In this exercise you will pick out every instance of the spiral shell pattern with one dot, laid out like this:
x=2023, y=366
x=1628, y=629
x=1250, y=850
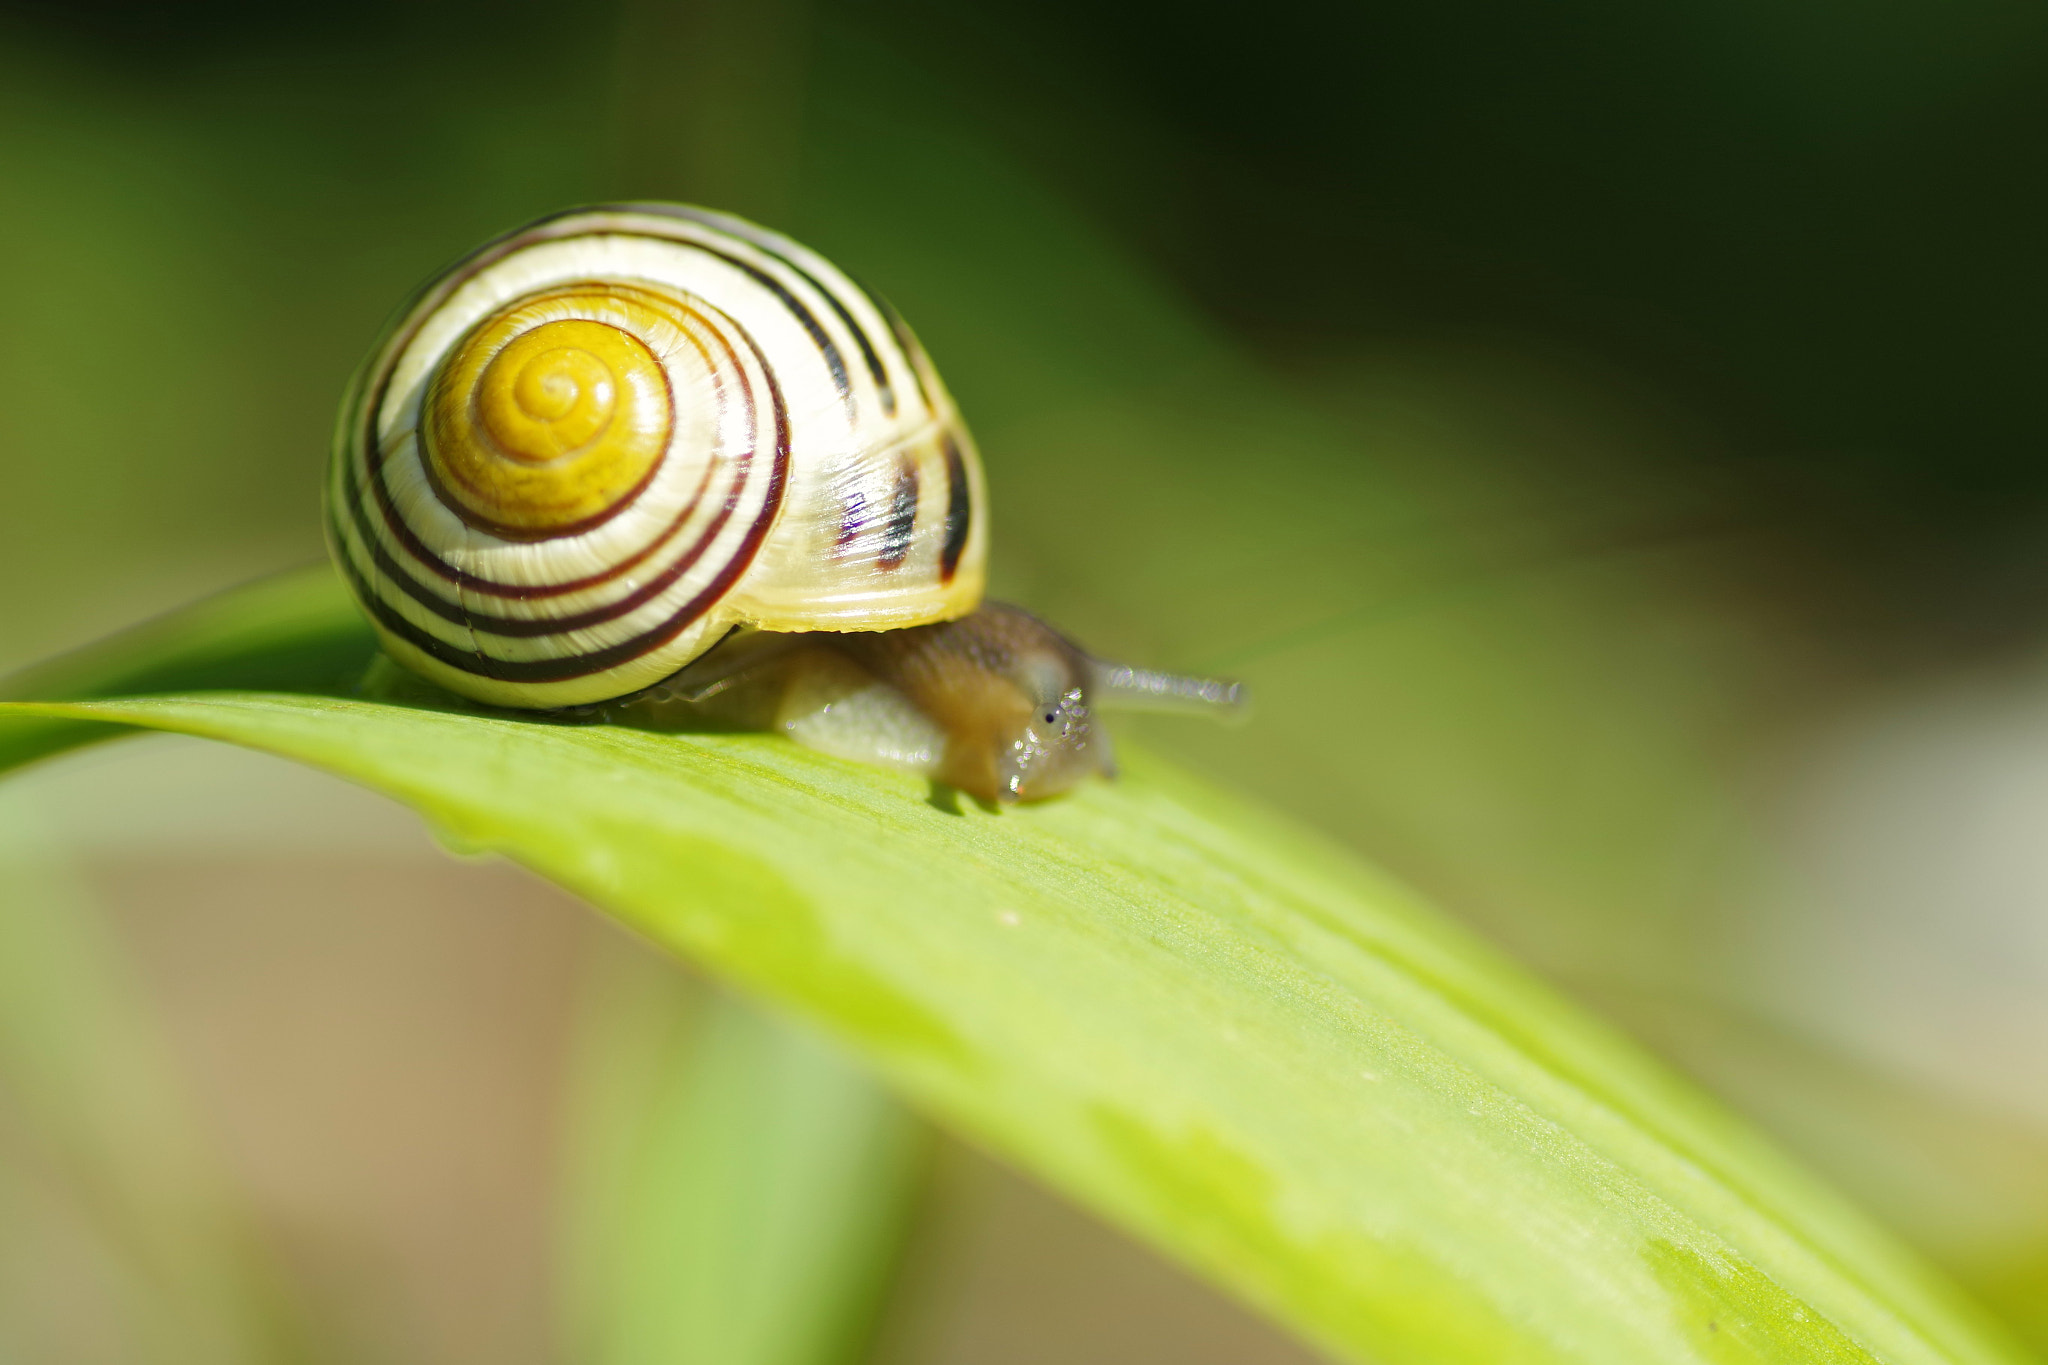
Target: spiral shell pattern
x=595, y=446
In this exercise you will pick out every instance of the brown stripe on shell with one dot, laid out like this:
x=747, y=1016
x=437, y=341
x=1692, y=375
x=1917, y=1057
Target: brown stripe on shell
x=913, y=353
x=463, y=579
x=516, y=627
x=572, y=223
x=402, y=532
x=959, y=509
x=877, y=372
x=820, y=338
x=574, y=666
x=853, y=518
x=902, y=523
x=522, y=628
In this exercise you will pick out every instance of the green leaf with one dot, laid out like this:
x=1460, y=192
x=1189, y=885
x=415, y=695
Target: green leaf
x=101, y=1156
x=740, y=1189
x=293, y=632
x=1207, y=1025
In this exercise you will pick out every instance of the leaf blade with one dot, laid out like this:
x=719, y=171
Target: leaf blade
x=295, y=630
x=1198, y=1020
x=742, y=1189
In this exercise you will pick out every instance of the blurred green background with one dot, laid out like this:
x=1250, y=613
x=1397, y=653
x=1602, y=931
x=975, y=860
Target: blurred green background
x=1605, y=437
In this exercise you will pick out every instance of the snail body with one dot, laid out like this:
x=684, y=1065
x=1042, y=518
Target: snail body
x=650, y=455
x=996, y=703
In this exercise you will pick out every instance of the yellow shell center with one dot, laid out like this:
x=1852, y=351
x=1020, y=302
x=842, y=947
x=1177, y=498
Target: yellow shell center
x=538, y=425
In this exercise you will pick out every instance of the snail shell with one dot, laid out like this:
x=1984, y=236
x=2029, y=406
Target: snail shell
x=592, y=448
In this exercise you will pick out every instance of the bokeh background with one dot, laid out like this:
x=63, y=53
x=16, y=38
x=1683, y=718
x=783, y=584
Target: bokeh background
x=1607, y=437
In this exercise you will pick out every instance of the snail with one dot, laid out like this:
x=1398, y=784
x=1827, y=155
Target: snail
x=660, y=462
